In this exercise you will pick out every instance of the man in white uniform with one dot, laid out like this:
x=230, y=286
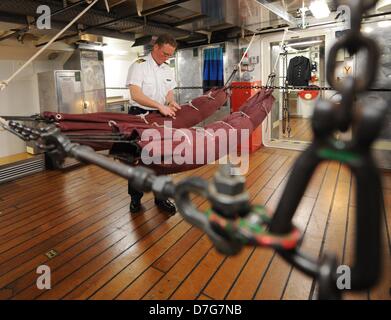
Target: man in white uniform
x=151, y=82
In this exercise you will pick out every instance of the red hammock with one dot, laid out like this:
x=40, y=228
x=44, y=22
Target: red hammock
x=172, y=151
x=190, y=115
x=249, y=117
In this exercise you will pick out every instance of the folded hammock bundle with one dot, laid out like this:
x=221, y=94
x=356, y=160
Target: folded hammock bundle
x=100, y=124
x=192, y=113
x=167, y=149
x=166, y=144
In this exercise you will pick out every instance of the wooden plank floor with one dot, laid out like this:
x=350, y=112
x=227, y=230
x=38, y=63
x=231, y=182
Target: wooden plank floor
x=106, y=253
x=300, y=130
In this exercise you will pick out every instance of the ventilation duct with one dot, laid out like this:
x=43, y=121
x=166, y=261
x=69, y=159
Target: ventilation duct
x=21, y=169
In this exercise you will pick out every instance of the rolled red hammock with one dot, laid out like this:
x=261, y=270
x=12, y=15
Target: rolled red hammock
x=168, y=159
x=192, y=113
x=174, y=145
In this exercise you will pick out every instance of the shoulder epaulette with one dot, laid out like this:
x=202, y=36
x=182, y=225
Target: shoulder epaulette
x=141, y=60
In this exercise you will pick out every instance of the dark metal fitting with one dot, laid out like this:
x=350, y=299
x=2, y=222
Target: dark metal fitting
x=227, y=194
x=160, y=186
x=323, y=121
x=142, y=179
x=229, y=206
x=228, y=184
x=328, y=279
x=370, y=121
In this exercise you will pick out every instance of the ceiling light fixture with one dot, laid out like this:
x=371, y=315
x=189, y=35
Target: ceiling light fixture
x=319, y=9
x=295, y=44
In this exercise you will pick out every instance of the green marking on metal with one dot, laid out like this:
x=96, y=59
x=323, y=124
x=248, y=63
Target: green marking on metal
x=208, y=212
x=338, y=155
x=259, y=209
x=256, y=228
x=242, y=223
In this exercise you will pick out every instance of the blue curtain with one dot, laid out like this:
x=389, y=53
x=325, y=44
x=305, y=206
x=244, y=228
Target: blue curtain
x=213, y=68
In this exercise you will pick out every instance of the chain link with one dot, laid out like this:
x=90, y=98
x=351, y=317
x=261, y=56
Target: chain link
x=330, y=117
x=261, y=87
x=354, y=42
x=310, y=88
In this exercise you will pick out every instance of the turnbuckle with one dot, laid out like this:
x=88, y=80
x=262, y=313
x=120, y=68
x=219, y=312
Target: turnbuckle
x=231, y=223
x=253, y=230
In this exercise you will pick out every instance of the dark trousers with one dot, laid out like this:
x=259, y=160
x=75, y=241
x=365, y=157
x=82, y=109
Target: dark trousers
x=135, y=111
x=135, y=195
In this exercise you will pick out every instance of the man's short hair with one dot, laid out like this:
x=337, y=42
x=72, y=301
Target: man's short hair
x=166, y=39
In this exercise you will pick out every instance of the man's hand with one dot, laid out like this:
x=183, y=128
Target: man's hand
x=167, y=111
x=174, y=106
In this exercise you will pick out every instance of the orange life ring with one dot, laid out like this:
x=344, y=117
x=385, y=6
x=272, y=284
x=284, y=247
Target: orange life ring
x=309, y=94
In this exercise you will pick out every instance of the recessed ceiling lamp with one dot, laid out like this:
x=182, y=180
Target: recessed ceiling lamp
x=295, y=44
x=320, y=9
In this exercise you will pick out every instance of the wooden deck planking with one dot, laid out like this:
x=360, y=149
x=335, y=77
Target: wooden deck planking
x=149, y=207
x=383, y=290
x=203, y=207
x=106, y=253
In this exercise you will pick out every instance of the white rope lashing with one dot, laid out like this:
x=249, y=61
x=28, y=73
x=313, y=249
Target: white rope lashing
x=209, y=95
x=143, y=116
x=204, y=130
x=173, y=129
x=242, y=113
x=190, y=103
x=5, y=83
x=226, y=124
x=112, y=123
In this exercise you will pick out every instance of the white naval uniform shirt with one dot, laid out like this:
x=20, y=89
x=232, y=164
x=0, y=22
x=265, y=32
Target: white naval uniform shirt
x=155, y=81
